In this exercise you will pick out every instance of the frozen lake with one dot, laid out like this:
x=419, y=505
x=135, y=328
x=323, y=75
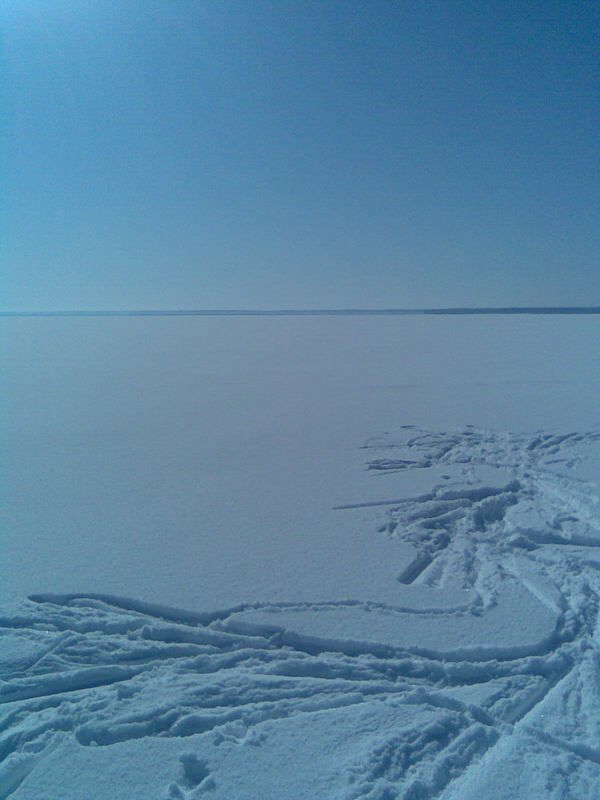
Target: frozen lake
x=375, y=537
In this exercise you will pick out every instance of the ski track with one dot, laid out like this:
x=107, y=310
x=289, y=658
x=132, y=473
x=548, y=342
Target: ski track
x=104, y=670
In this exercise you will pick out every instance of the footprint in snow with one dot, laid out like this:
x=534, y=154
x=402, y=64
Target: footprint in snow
x=195, y=781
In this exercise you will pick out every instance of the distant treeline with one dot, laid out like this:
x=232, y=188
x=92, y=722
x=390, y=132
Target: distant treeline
x=305, y=312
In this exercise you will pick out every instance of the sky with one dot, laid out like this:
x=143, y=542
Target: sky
x=299, y=154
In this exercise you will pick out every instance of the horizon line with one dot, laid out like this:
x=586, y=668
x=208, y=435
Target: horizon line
x=296, y=312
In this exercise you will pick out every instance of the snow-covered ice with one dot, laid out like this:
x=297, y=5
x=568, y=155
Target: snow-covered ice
x=300, y=558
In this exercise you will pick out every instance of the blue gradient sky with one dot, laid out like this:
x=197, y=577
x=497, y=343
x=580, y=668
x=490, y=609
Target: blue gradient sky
x=276, y=154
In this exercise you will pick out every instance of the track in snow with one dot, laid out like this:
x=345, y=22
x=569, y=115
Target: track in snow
x=103, y=671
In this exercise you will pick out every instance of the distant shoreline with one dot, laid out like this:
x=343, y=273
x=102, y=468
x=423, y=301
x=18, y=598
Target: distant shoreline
x=299, y=312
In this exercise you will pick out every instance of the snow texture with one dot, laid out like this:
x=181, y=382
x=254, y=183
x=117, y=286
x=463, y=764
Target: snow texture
x=454, y=652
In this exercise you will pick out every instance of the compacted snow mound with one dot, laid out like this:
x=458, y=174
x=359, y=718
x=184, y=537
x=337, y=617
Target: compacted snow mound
x=487, y=685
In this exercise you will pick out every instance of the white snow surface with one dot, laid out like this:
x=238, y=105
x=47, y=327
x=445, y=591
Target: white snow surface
x=281, y=557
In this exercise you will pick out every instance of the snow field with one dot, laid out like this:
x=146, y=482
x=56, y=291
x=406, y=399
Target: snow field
x=428, y=628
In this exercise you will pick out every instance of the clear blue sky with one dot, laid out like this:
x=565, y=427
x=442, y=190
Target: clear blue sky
x=275, y=154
